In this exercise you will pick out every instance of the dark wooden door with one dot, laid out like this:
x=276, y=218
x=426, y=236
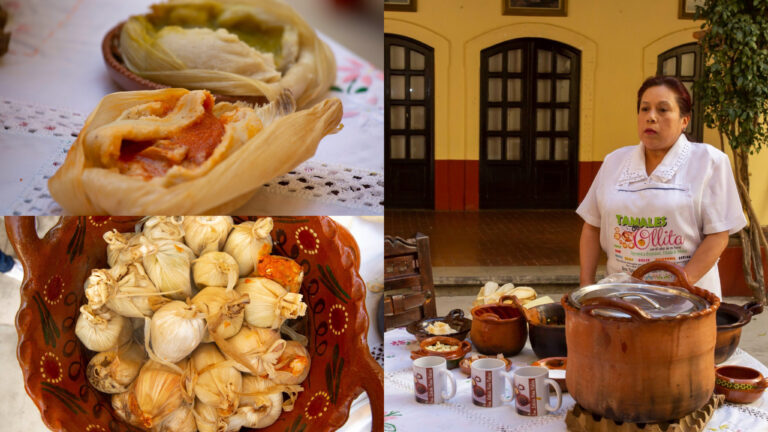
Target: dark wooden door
x=529, y=124
x=408, y=123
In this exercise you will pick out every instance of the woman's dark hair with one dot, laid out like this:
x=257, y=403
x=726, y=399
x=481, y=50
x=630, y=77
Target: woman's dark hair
x=682, y=96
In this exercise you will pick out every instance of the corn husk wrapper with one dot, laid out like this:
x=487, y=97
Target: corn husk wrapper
x=133, y=295
x=224, y=310
x=270, y=304
x=120, y=248
x=218, y=383
x=181, y=420
x=209, y=420
x=163, y=228
x=253, y=350
x=114, y=371
x=167, y=264
x=248, y=242
x=176, y=329
x=260, y=405
x=102, y=284
x=491, y=293
x=154, y=396
x=88, y=183
x=101, y=330
x=282, y=270
x=215, y=269
x=206, y=233
x=217, y=60
x=293, y=365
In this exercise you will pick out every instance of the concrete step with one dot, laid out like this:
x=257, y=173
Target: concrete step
x=518, y=275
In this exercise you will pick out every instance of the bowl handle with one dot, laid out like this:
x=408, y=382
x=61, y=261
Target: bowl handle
x=753, y=308
x=455, y=314
x=681, y=277
x=23, y=235
x=373, y=384
x=589, y=305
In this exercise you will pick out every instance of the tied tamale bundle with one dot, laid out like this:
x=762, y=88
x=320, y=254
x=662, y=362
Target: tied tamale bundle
x=230, y=47
x=175, y=151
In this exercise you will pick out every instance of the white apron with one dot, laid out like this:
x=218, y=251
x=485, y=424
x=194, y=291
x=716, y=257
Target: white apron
x=647, y=221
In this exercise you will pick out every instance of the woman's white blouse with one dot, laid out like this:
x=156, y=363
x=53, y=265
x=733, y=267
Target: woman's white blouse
x=690, y=194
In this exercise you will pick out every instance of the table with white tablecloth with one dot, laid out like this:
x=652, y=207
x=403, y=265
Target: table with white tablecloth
x=54, y=75
x=403, y=414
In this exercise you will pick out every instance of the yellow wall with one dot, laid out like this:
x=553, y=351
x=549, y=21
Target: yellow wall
x=619, y=43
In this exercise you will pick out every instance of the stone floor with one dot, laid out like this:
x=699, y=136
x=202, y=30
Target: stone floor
x=493, y=237
x=754, y=336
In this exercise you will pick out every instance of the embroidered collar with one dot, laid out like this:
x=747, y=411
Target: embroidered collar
x=634, y=166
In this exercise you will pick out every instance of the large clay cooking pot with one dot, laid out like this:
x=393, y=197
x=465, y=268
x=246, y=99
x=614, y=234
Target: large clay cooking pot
x=638, y=352
x=498, y=328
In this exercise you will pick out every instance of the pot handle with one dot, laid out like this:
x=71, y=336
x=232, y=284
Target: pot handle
x=455, y=314
x=589, y=305
x=465, y=347
x=753, y=308
x=681, y=277
x=511, y=297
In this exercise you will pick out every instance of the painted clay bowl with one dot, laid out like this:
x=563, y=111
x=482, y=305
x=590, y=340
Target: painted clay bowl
x=452, y=358
x=739, y=384
x=53, y=360
x=455, y=319
x=127, y=80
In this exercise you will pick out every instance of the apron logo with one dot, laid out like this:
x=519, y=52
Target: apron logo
x=641, y=233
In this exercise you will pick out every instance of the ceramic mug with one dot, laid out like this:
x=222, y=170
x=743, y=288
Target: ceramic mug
x=488, y=376
x=531, y=392
x=431, y=380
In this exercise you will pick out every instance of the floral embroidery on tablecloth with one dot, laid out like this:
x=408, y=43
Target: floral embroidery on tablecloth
x=389, y=427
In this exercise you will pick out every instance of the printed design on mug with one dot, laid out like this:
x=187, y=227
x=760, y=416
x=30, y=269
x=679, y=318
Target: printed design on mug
x=478, y=391
x=430, y=385
x=421, y=389
x=522, y=401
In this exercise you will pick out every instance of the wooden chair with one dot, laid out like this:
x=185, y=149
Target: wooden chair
x=409, y=291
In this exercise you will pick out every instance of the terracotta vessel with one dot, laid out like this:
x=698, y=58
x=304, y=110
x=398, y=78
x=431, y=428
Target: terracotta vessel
x=53, y=360
x=739, y=384
x=631, y=366
x=498, y=328
x=730, y=319
x=548, y=335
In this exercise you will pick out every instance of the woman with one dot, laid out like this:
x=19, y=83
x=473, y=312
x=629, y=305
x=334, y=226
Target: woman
x=663, y=199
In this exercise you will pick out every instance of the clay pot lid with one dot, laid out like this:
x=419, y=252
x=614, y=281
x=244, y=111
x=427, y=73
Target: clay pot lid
x=654, y=300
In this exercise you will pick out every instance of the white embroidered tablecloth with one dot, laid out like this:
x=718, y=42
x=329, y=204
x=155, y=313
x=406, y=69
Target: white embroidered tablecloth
x=53, y=76
x=403, y=414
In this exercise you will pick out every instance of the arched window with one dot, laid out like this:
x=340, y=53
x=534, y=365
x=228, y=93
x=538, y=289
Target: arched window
x=529, y=124
x=408, y=123
x=684, y=62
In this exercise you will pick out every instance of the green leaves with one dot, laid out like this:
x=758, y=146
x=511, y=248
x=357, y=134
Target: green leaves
x=733, y=89
x=333, y=374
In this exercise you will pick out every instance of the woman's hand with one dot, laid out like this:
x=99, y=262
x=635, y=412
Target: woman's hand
x=706, y=255
x=589, y=252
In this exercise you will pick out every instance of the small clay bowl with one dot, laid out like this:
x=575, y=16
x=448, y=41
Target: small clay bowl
x=548, y=335
x=455, y=319
x=452, y=358
x=739, y=384
x=466, y=363
x=127, y=80
x=554, y=363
